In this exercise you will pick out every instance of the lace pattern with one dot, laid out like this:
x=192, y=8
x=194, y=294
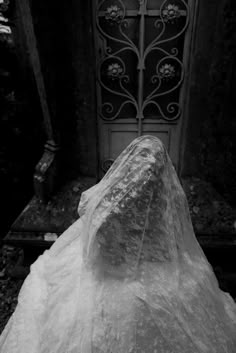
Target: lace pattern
x=129, y=276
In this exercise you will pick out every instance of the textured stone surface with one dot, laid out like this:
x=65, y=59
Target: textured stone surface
x=58, y=214
x=210, y=150
x=210, y=213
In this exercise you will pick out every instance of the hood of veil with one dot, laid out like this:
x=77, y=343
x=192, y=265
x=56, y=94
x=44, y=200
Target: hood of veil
x=138, y=212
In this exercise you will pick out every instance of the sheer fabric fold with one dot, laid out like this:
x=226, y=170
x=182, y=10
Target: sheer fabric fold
x=129, y=276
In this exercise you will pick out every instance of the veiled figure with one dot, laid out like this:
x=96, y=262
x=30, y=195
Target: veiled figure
x=129, y=276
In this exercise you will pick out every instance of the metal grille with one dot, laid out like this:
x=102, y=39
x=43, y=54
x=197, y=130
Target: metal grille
x=140, y=64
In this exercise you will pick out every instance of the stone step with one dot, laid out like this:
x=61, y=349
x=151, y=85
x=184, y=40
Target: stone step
x=45, y=239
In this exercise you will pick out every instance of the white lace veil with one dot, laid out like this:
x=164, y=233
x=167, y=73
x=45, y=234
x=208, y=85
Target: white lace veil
x=138, y=229
x=138, y=212
x=129, y=276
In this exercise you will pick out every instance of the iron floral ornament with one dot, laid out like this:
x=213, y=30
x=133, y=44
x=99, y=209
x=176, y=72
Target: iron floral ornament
x=114, y=14
x=4, y=4
x=114, y=71
x=167, y=72
x=170, y=13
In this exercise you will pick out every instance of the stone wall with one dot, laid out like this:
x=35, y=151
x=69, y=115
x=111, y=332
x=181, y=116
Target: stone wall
x=21, y=126
x=65, y=47
x=210, y=146
x=65, y=43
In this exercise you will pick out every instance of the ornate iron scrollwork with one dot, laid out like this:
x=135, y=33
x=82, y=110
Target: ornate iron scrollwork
x=161, y=54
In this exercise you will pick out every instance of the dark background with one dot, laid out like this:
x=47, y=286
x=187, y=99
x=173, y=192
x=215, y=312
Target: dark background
x=64, y=36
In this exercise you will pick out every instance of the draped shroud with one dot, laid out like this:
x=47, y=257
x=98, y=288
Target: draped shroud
x=129, y=276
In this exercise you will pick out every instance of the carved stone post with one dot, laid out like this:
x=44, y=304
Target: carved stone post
x=46, y=169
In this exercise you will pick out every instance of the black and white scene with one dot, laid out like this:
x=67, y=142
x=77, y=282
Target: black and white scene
x=118, y=176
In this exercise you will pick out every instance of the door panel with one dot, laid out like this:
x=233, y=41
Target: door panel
x=117, y=136
x=141, y=72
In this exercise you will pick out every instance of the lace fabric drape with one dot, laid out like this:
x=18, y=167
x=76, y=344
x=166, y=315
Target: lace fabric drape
x=129, y=276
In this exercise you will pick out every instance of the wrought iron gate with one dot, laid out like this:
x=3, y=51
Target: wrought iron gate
x=141, y=57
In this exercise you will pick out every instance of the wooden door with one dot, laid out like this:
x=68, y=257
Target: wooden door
x=142, y=53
